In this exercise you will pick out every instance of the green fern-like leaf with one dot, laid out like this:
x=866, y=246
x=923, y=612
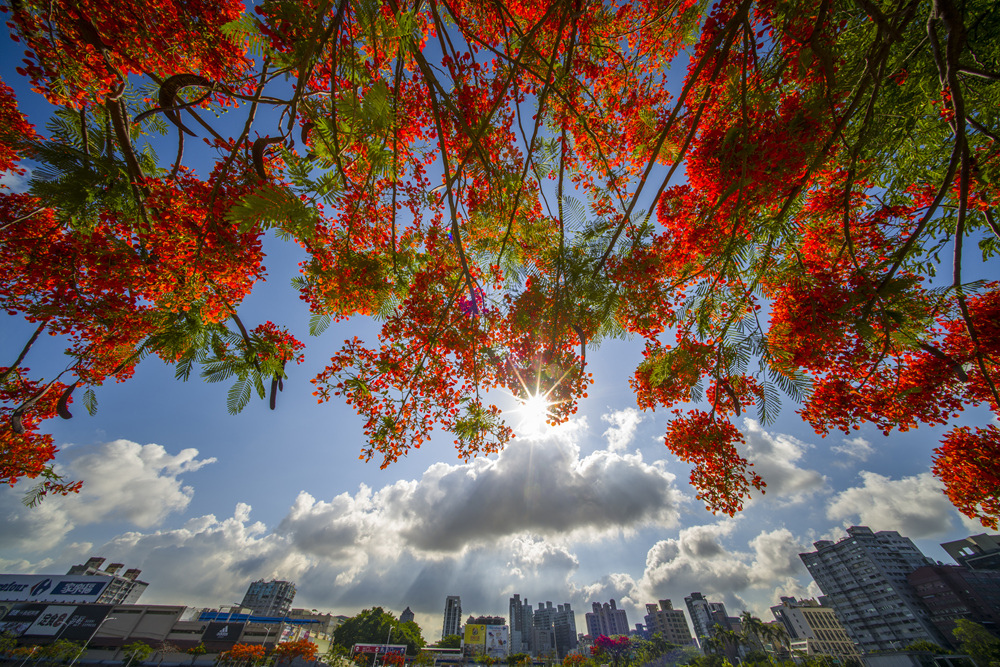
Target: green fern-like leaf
x=244, y=30
x=90, y=401
x=273, y=206
x=318, y=323
x=239, y=395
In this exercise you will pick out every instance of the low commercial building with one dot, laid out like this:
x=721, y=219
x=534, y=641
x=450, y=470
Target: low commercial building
x=813, y=629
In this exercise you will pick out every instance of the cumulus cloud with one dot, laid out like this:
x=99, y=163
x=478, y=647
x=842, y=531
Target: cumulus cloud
x=123, y=480
x=915, y=506
x=699, y=560
x=132, y=482
x=696, y=561
x=858, y=449
x=776, y=555
x=775, y=457
x=540, y=488
x=623, y=425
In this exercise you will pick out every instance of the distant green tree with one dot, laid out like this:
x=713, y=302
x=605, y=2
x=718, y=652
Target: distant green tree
x=658, y=645
x=930, y=647
x=977, y=642
x=449, y=641
x=423, y=659
x=377, y=626
x=136, y=652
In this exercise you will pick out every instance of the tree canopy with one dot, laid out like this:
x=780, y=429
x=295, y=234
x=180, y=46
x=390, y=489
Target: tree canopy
x=377, y=626
x=765, y=192
x=977, y=642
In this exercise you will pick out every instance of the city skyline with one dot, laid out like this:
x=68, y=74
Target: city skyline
x=858, y=574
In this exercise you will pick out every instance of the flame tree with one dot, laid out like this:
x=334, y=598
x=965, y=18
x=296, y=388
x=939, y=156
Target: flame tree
x=505, y=184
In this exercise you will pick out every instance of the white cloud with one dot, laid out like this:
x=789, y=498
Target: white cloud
x=775, y=458
x=699, y=560
x=776, y=555
x=133, y=482
x=542, y=488
x=623, y=425
x=854, y=448
x=915, y=506
x=122, y=481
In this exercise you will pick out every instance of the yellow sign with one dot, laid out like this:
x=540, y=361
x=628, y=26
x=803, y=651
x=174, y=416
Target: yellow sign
x=475, y=635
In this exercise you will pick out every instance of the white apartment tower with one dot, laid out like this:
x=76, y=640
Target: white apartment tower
x=864, y=578
x=452, y=616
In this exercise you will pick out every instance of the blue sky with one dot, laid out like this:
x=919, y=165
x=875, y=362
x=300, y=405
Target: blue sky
x=204, y=502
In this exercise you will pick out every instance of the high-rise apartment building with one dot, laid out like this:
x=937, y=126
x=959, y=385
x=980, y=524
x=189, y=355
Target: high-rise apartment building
x=564, y=629
x=669, y=622
x=864, y=576
x=452, y=616
x=813, y=629
x=520, y=625
x=953, y=592
x=543, y=637
x=406, y=616
x=269, y=598
x=553, y=630
x=123, y=587
x=606, y=619
x=706, y=615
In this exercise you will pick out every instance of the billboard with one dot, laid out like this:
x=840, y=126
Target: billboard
x=497, y=640
x=475, y=639
x=379, y=649
x=73, y=622
x=223, y=632
x=51, y=588
x=20, y=618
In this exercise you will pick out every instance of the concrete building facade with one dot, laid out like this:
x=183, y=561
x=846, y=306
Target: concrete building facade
x=864, y=576
x=976, y=552
x=669, y=622
x=452, y=616
x=606, y=619
x=813, y=629
x=553, y=630
x=521, y=622
x=269, y=598
x=951, y=592
x=564, y=629
x=705, y=615
x=406, y=616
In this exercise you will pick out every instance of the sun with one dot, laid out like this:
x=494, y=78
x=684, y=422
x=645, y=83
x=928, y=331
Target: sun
x=534, y=413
